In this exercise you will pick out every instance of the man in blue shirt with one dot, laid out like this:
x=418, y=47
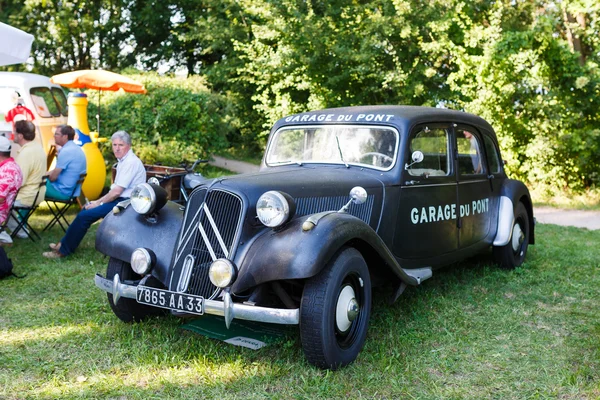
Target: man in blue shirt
x=70, y=164
x=130, y=173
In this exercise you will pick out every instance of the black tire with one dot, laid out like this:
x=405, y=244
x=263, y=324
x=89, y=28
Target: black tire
x=513, y=253
x=345, y=277
x=128, y=310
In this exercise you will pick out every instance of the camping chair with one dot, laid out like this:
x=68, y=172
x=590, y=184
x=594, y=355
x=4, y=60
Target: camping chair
x=21, y=214
x=50, y=157
x=59, y=207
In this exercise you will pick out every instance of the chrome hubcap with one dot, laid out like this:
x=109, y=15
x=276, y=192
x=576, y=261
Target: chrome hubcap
x=347, y=309
x=517, y=237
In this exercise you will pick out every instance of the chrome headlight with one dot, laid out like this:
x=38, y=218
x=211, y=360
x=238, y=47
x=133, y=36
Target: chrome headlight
x=142, y=261
x=147, y=198
x=222, y=273
x=275, y=208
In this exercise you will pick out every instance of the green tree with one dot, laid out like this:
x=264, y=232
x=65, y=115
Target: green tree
x=178, y=120
x=71, y=35
x=530, y=82
x=324, y=54
x=526, y=66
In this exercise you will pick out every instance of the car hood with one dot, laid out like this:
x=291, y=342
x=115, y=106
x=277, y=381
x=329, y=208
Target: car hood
x=314, y=188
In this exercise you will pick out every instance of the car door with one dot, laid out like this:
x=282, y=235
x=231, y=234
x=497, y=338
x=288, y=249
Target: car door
x=428, y=211
x=474, y=189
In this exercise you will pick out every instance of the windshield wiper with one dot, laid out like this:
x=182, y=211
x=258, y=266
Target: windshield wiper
x=340, y=150
x=286, y=162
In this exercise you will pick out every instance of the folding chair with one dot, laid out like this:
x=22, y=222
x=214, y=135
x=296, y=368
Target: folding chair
x=59, y=207
x=21, y=214
x=50, y=157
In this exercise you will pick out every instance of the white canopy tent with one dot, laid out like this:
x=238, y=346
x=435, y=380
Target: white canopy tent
x=15, y=45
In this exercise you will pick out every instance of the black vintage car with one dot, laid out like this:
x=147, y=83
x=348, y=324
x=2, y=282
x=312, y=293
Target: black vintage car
x=345, y=200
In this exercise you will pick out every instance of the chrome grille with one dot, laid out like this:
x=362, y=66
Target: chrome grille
x=210, y=231
x=311, y=205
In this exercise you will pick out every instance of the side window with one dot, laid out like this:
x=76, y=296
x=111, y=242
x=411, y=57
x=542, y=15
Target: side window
x=44, y=102
x=433, y=143
x=493, y=155
x=61, y=100
x=470, y=156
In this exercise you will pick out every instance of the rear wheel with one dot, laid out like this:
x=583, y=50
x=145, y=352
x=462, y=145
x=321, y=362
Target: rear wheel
x=513, y=253
x=335, y=311
x=128, y=310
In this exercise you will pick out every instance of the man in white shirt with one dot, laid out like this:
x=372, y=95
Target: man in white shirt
x=130, y=173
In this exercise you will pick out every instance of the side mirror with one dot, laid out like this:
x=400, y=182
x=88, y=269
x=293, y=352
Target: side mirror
x=417, y=156
x=358, y=195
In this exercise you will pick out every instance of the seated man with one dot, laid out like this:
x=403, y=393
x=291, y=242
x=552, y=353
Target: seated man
x=32, y=161
x=70, y=164
x=10, y=182
x=130, y=173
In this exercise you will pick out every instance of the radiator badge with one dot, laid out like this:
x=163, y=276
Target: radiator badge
x=186, y=273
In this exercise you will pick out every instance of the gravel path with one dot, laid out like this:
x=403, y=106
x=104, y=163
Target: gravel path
x=240, y=167
x=544, y=215
x=578, y=218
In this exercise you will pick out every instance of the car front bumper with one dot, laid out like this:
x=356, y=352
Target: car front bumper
x=226, y=308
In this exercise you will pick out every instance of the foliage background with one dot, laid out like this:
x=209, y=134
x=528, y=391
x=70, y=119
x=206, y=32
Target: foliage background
x=178, y=120
x=530, y=67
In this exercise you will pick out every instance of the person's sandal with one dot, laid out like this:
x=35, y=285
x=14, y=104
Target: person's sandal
x=52, y=254
x=54, y=246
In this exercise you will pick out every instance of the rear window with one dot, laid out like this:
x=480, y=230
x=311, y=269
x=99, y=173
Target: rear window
x=493, y=155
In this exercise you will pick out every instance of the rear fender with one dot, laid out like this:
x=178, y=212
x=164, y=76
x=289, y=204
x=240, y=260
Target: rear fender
x=292, y=253
x=511, y=194
x=120, y=234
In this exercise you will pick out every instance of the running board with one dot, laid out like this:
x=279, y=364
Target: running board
x=418, y=274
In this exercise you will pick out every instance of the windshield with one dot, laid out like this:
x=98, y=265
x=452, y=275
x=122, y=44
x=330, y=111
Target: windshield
x=49, y=102
x=369, y=146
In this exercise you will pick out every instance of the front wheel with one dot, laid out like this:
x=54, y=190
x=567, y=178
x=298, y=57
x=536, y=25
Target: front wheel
x=128, y=310
x=513, y=253
x=335, y=311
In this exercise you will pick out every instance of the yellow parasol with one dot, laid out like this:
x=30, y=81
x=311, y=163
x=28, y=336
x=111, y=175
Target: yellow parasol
x=99, y=80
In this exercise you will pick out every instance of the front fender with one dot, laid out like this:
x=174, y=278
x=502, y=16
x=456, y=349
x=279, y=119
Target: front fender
x=291, y=253
x=119, y=235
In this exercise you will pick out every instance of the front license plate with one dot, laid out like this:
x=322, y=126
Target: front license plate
x=170, y=300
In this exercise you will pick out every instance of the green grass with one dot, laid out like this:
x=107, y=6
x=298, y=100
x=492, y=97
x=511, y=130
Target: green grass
x=471, y=332
x=212, y=172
